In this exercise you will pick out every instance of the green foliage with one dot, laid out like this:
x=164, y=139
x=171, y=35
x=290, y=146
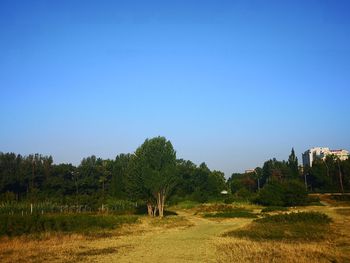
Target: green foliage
x=123, y=206
x=234, y=213
x=271, y=195
x=199, y=196
x=304, y=226
x=287, y=193
x=13, y=225
x=293, y=164
x=152, y=169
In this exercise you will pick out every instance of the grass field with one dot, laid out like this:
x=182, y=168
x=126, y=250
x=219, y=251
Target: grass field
x=188, y=236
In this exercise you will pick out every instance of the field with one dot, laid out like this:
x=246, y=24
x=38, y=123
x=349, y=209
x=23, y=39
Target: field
x=198, y=233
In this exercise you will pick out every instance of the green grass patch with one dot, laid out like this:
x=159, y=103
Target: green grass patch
x=303, y=226
x=233, y=213
x=274, y=209
x=14, y=225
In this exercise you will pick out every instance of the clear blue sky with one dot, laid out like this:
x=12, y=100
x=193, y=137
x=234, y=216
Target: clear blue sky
x=231, y=83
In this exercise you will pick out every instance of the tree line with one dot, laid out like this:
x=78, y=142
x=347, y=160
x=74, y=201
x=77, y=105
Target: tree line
x=156, y=176
x=149, y=174
x=287, y=179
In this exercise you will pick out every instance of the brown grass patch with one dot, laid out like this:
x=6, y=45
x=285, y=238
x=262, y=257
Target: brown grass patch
x=242, y=250
x=171, y=222
x=343, y=211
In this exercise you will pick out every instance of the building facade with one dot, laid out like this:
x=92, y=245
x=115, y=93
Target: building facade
x=320, y=153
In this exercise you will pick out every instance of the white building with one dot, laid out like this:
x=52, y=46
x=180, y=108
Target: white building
x=320, y=153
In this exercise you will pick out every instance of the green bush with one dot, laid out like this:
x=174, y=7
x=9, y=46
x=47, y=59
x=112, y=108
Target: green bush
x=199, y=196
x=289, y=193
x=243, y=193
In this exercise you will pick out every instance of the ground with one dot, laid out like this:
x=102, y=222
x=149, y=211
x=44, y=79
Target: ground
x=187, y=237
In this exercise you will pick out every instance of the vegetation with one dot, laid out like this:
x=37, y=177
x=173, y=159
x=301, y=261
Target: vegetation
x=146, y=177
x=293, y=226
x=13, y=225
x=274, y=209
x=285, y=193
x=234, y=213
x=329, y=175
x=152, y=174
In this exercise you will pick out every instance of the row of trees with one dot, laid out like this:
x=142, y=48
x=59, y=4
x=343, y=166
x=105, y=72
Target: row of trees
x=150, y=175
x=329, y=175
x=154, y=175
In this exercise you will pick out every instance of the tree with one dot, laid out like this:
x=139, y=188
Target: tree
x=119, y=174
x=153, y=173
x=293, y=164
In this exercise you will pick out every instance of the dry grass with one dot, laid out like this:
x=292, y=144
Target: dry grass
x=242, y=250
x=171, y=222
x=330, y=200
x=59, y=248
x=218, y=207
x=182, y=238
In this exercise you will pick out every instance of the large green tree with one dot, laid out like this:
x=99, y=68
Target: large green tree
x=153, y=173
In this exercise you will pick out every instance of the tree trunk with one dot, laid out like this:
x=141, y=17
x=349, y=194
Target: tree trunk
x=340, y=178
x=149, y=209
x=305, y=180
x=160, y=203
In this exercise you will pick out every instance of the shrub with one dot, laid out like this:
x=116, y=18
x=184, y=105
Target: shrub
x=199, y=196
x=294, y=194
x=289, y=193
x=271, y=195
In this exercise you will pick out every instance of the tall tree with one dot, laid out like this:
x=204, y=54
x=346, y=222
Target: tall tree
x=154, y=165
x=293, y=164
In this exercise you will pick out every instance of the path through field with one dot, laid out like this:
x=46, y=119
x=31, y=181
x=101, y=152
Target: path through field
x=195, y=243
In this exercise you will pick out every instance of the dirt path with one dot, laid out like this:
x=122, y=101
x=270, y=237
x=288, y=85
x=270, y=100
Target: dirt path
x=190, y=244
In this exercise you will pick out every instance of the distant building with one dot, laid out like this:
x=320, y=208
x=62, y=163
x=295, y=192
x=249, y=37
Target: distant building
x=249, y=171
x=320, y=153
